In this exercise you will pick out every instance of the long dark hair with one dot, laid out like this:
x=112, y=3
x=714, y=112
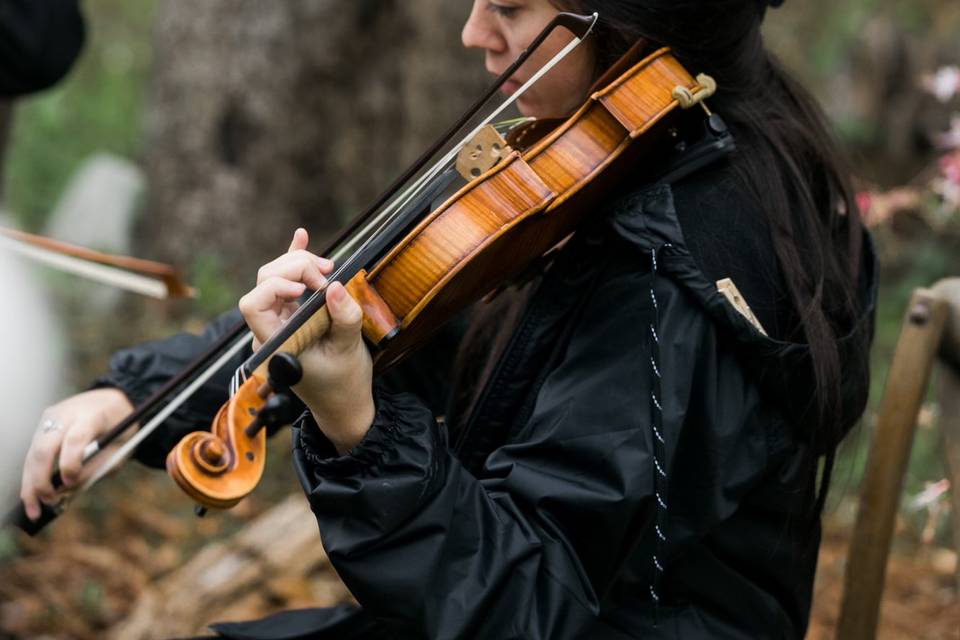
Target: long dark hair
x=786, y=159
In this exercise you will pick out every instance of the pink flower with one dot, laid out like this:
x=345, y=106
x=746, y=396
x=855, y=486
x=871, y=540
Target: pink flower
x=879, y=207
x=947, y=186
x=950, y=167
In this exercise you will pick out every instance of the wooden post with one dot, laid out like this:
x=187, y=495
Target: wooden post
x=906, y=387
x=948, y=394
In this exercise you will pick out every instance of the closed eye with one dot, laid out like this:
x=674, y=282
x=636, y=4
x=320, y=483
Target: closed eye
x=502, y=10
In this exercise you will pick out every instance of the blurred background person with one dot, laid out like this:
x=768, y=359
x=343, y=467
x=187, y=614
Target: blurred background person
x=32, y=378
x=39, y=42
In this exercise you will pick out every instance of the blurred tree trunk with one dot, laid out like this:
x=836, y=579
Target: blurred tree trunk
x=268, y=115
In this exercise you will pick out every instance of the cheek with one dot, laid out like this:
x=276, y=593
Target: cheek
x=543, y=101
x=558, y=94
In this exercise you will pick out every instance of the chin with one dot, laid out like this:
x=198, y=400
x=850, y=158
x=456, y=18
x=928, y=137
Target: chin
x=525, y=109
x=530, y=109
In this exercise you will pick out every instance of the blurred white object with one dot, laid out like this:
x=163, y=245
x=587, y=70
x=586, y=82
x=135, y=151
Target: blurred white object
x=932, y=492
x=97, y=208
x=944, y=84
x=30, y=379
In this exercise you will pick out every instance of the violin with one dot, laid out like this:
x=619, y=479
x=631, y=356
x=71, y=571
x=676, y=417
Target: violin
x=423, y=268
x=411, y=265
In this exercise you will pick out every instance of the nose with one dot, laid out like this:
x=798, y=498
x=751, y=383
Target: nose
x=480, y=30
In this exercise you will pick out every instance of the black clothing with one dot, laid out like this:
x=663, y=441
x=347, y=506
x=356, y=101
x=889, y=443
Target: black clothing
x=39, y=41
x=632, y=467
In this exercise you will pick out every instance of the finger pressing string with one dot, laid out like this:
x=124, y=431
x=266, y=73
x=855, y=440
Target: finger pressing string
x=299, y=243
x=300, y=266
x=346, y=317
x=259, y=306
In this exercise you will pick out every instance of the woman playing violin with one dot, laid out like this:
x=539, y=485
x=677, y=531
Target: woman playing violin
x=623, y=454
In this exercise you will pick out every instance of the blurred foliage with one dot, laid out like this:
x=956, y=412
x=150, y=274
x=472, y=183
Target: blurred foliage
x=97, y=108
x=214, y=292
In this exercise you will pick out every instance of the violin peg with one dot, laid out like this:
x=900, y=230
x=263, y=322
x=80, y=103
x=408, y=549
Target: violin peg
x=284, y=370
x=276, y=412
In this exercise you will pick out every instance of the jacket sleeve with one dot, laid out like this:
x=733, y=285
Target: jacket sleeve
x=140, y=370
x=39, y=41
x=529, y=549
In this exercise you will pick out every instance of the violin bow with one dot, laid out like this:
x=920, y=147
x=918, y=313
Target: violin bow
x=239, y=337
x=145, y=277
x=579, y=25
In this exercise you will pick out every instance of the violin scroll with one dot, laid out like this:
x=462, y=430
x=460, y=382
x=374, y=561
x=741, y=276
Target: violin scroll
x=218, y=468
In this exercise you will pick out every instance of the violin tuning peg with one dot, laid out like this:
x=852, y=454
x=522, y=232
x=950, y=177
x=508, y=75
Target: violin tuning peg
x=275, y=412
x=279, y=410
x=284, y=370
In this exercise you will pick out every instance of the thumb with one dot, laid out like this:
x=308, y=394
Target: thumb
x=346, y=317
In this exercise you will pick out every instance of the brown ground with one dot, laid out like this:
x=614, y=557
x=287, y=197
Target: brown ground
x=919, y=601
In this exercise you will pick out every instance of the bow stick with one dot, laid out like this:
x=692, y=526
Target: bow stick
x=394, y=204
x=145, y=277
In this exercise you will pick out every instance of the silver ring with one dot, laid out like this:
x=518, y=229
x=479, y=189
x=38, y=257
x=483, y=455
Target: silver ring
x=49, y=425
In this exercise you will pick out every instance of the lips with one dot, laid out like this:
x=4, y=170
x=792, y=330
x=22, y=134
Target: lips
x=510, y=87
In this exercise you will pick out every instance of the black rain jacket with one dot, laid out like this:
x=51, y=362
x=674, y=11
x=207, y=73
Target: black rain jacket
x=633, y=466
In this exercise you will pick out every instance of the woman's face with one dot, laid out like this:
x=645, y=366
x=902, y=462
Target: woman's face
x=504, y=28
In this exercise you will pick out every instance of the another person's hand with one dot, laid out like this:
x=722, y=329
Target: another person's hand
x=337, y=384
x=65, y=430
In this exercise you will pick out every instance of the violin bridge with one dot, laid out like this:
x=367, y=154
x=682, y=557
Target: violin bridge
x=482, y=153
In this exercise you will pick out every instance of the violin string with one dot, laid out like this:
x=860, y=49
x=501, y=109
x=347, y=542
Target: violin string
x=395, y=207
x=389, y=213
x=447, y=160
x=380, y=221
x=391, y=210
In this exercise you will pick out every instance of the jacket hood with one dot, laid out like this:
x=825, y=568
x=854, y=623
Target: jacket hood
x=783, y=369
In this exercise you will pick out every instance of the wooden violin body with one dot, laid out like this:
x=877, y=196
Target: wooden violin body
x=481, y=237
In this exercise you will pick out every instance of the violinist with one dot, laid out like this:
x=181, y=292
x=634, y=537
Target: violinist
x=622, y=454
